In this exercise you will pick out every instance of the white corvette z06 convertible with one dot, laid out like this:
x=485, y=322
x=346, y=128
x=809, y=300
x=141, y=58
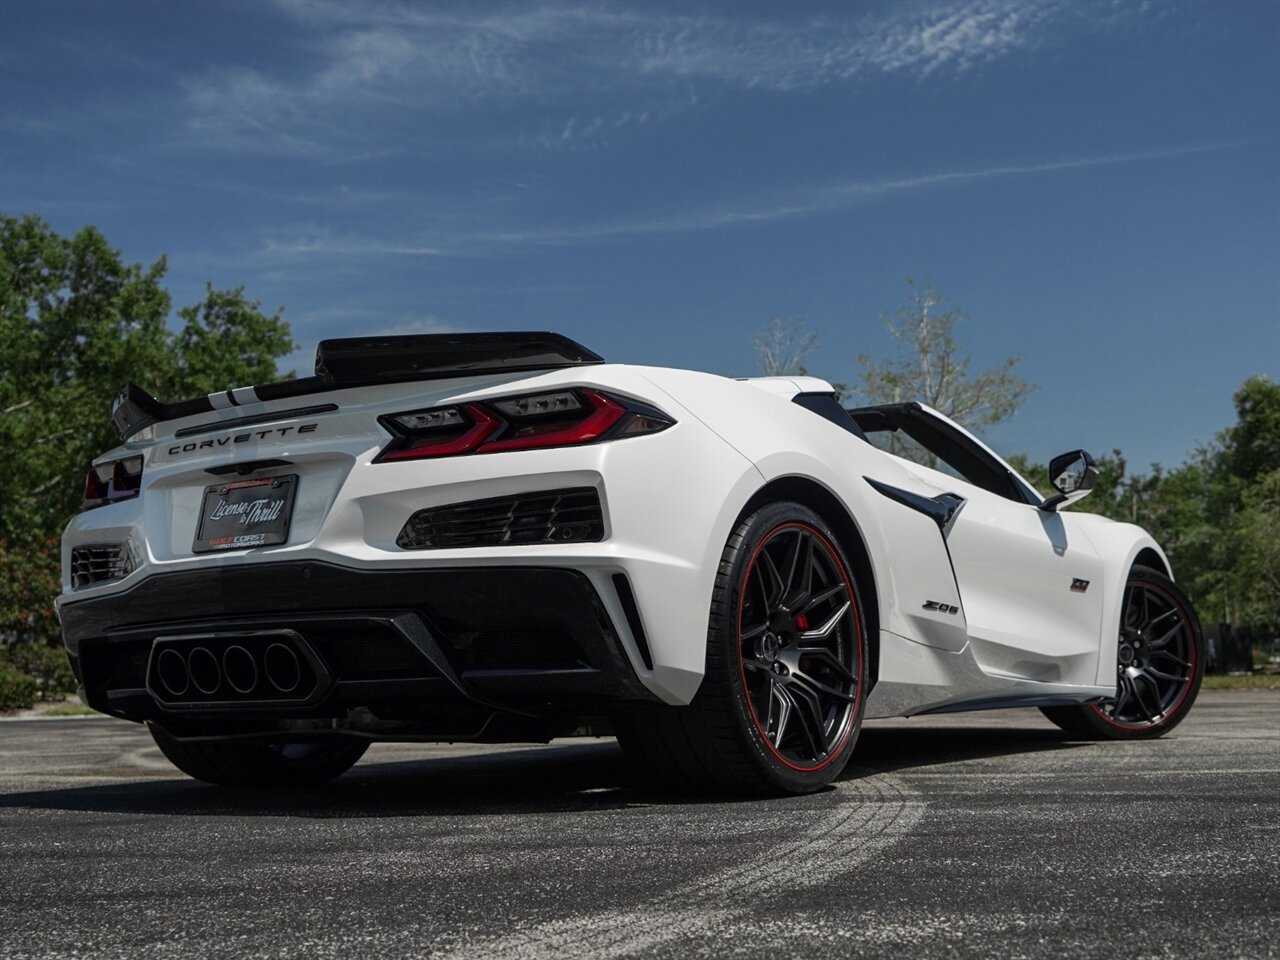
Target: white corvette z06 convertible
x=501, y=538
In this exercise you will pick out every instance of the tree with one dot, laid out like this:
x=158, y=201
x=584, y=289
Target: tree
x=76, y=321
x=783, y=347
x=227, y=341
x=934, y=370
x=1258, y=529
x=1253, y=444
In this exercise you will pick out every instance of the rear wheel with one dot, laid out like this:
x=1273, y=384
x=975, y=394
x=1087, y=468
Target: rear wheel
x=781, y=703
x=1160, y=661
x=285, y=764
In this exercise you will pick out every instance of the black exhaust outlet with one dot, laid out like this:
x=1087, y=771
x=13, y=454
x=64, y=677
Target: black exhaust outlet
x=268, y=669
x=240, y=669
x=283, y=670
x=206, y=674
x=171, y=670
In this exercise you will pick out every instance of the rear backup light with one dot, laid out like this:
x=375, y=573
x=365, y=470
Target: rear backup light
x=428, y=420
x=564, y=418
x=112, y=482
x=578, y=425
x=474, y=425
x=521, y=407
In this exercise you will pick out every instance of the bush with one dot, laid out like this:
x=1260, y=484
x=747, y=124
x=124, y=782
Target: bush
x=17, y=690
x=48, y=667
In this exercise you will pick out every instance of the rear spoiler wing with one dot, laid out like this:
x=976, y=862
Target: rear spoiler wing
x=364, y=361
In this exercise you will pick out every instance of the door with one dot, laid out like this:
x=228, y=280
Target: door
x=1029, y=582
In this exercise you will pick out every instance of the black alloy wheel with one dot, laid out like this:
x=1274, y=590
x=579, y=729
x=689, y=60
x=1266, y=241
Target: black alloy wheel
x=781, y=703
x=799, y=645
x=1159, y=664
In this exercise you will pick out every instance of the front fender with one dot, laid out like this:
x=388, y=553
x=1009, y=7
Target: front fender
x=1119, y=545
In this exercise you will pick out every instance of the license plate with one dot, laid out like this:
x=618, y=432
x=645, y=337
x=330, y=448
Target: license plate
x=245, y=513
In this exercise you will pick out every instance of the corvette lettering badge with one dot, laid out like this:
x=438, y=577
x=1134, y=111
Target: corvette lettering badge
x=231, y=439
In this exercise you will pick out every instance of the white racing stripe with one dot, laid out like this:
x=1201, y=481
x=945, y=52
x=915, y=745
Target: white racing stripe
x=869, y=816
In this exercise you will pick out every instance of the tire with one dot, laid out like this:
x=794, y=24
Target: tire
x=1159, y=666
x=781, y=704
x=232, y=764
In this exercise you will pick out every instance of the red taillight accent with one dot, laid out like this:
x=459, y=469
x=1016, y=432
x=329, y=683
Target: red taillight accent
x=604, y=415
x=95, y=488
x=483, y=426
x=494, y=426
x=112, y=482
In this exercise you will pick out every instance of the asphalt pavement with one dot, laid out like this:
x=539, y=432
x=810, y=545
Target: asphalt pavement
x=983, y=835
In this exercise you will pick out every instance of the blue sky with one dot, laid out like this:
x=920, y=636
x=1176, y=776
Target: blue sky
x=1096, y=184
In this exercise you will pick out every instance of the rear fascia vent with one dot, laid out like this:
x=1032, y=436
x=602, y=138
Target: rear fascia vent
x=99, y=563
x=571, y=515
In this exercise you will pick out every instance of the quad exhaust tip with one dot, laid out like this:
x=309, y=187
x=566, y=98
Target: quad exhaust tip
x=171, y=669
x=240, y=669
x=198, y=673
x=282, y=668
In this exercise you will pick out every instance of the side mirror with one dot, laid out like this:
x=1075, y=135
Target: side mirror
x=1073, y=476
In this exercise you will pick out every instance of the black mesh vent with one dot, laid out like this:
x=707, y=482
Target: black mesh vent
x=99, y=563
x=552, y=516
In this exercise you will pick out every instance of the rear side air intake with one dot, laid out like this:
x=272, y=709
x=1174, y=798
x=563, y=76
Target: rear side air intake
x=628, y=600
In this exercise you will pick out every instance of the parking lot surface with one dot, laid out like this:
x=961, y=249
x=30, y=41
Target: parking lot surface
x=972, y=835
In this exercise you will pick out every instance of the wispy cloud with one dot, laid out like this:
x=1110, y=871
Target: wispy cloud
x=414, y=66
x=789, y=204
x=310, y=245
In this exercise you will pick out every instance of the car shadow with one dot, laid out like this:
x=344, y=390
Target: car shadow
x=894, y=749
x=565, y=778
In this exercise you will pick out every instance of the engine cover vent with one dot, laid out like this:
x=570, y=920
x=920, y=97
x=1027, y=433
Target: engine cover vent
x=572, y=515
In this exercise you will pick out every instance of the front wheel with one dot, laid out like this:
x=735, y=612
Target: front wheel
x=235, y=764
x=781, y=704
x=1160, y=661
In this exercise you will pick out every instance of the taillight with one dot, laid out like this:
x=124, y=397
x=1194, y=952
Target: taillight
x=112, y=482
x=564, y=418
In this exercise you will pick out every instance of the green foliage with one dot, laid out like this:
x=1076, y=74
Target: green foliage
x=1252, y=446
x=47, y=665
x=77, y=321
x=933, y=369
x=225, y=341
x=17, y=690
x=1257, y=529
x=30, y=577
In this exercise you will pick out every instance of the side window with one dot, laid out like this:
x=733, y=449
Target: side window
x=902, y=444
x=907, y=431
x=828, y=407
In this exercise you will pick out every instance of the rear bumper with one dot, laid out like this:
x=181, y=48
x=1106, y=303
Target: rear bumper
x=430, y=652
